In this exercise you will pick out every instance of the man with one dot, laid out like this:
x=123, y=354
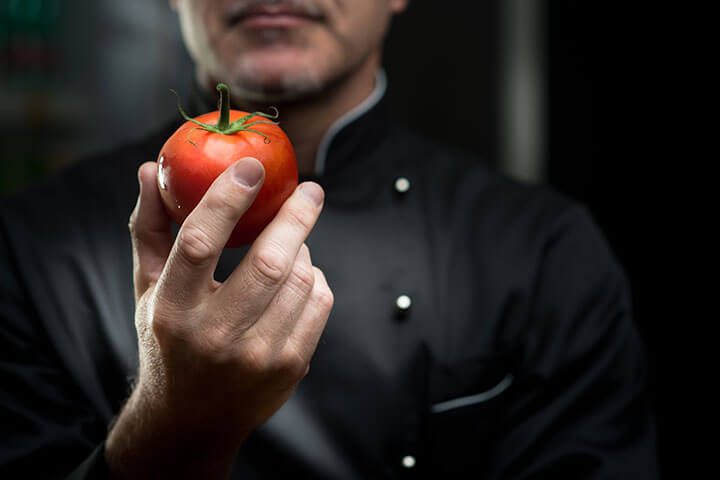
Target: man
x=479, y=327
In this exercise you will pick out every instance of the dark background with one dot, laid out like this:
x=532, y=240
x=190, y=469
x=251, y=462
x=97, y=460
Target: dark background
x=78, y=77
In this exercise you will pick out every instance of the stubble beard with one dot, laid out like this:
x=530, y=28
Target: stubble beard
x=251, y=84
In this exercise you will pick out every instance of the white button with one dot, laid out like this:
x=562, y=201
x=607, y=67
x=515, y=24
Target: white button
x=402, y=184
x=408, y=461
x=403, y=303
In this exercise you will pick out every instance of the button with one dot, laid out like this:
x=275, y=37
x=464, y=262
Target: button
x=408, y=461
x=403, y=303
x=402, y=184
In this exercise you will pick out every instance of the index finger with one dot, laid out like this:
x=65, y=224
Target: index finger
x=189, y=270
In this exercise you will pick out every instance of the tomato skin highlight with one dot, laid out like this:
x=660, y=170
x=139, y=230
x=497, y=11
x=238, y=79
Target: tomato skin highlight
x=192, y=158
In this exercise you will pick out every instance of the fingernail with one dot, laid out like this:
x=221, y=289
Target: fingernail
x=248, y=172
x=313, y=191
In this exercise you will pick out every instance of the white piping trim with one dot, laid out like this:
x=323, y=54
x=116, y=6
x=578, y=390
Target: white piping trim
x=473, y=399
x=349, y=117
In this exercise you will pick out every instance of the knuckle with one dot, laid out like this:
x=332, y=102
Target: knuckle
x=301, y=280
x=269, y=266
x=257, y=357
x=290, y=365
x=165, y=327
x=325, y=299
x=301, y=218
x=213, y=346
x=195, y=246
x=223, y=203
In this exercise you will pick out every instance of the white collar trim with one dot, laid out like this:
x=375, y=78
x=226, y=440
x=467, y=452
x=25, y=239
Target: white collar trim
x=349, y=117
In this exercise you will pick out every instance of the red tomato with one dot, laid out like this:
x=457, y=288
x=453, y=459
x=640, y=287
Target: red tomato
x=192, y=158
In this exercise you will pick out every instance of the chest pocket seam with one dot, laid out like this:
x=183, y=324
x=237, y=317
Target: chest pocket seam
x=474, y=399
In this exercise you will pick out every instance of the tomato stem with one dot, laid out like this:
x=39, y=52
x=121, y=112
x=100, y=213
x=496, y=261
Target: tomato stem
x=224, y=126
x=224, y=107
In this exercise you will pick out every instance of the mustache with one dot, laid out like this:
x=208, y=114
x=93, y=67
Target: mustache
x=243, y=8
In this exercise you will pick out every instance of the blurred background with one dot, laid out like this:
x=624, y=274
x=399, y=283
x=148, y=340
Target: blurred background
x=532, y=87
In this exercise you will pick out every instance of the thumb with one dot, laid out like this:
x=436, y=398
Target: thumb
x=150, y=231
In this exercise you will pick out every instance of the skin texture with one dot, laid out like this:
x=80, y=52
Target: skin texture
x=218, y=359
x=281, y=64
x=192, y=158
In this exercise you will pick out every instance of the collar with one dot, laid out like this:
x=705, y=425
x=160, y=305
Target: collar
x=378, y=93
x=351, y=137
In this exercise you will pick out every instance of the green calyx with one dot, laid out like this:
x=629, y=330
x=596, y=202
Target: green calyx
x=224, y=126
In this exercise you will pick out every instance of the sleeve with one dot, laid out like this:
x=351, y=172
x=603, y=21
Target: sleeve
x=579, y=407
x=47, y=429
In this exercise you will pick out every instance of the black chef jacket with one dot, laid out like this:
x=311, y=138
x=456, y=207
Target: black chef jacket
x=481, y=327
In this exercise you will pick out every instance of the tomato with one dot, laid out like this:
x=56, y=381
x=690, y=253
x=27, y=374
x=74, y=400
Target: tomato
x=194, y=156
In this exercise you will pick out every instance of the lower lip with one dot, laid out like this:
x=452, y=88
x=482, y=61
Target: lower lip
x=274, y=21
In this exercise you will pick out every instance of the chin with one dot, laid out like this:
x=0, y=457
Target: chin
x=281, y=76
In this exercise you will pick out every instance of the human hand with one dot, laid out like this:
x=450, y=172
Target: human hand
x=217, y=359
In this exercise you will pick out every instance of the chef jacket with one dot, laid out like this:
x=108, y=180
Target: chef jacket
x=481, y=328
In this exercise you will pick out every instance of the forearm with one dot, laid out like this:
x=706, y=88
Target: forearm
x=146, y=443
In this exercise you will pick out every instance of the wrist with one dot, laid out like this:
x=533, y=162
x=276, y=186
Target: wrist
x=149, y=441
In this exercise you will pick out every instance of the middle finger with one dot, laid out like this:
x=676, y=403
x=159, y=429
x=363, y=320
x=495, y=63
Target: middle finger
x=266, y=266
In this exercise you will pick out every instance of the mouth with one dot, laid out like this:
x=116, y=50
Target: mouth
x=272, y=16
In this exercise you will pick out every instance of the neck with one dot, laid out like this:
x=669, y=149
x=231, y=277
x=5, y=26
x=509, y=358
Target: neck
x=307, y=120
